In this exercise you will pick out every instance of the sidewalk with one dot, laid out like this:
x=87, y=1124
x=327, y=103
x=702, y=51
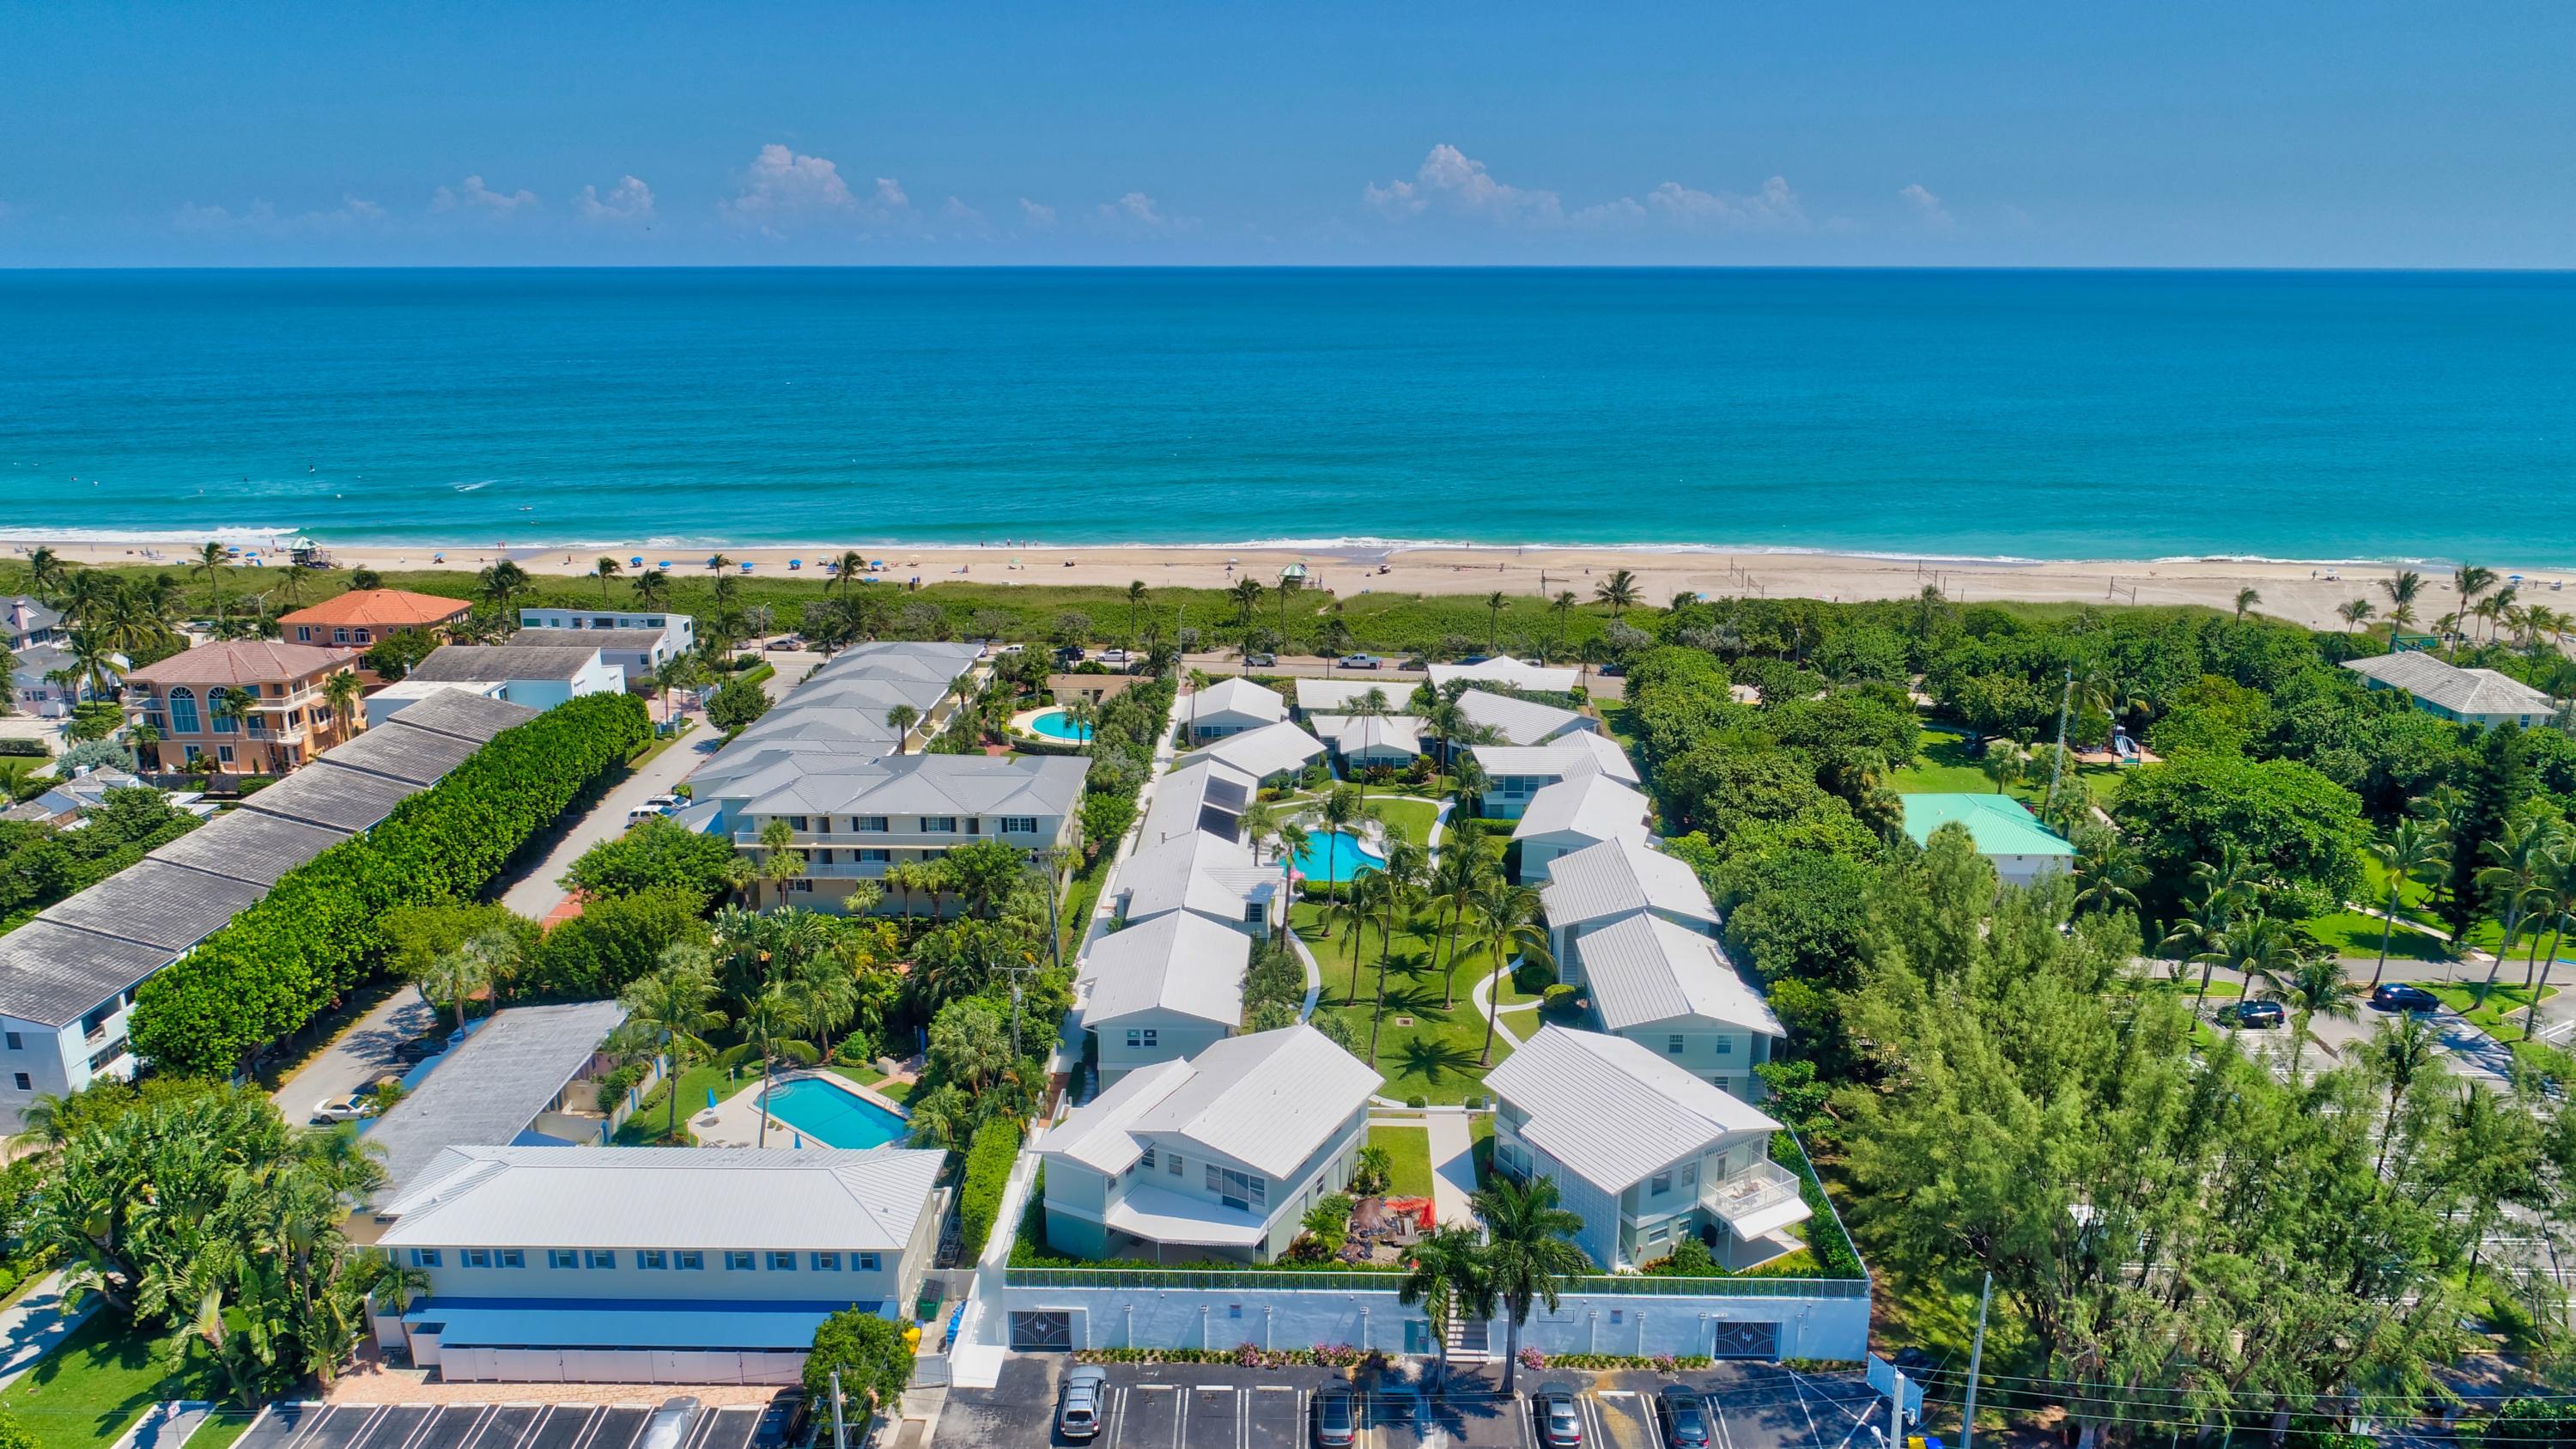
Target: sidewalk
x=35, y=1326
x=1453, y=1164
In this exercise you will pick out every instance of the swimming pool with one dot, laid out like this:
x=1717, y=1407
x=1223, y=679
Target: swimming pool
x=1055, y=724
x=1329, y=856
x=830, y=1117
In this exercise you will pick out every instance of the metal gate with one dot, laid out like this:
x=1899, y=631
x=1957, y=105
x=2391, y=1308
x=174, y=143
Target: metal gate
x=1043, y=1331
x=1746, y=1340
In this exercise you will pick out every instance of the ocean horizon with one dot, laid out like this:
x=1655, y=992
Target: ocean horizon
x=2038, y=415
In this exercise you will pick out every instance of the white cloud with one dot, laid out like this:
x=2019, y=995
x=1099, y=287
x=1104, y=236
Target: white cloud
x=1926, y=206
x=1460, y=184
x=1623, y=214
x=956, y=215
x=261, y=218
x=475, y=196
x=1136, y=214
x=1774, y=208
x=782, y=186
x=629, y=202
x=1037, y=214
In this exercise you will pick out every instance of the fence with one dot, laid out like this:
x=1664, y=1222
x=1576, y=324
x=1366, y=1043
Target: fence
x=1289, y=1280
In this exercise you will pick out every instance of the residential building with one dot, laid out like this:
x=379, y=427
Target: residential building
x=26, y=623
x=66, y=801
x=1514, y=774
x=2006, y=832
x=2480, y=697
x=288, y=718
x=1272, y=754
x=522, y=1078
x=1343, y=696
x=1601, y=885
x=1360, y=740
x=1509, y=672
x=1210, y=874
x=1519, y=721
x=1162, y=990
x=361, y=618
x=1644, y=1152
x=1231, y=707
x=37, y=675
x=68, y=977
x=636, y=653
x=679, y=631
x=841, y=707
x=538, y=676
x=1672, y=991
x=639, y=1264
x=1576, y=814
x=384, y=703
x=1216, y=1157
x=1199, y=794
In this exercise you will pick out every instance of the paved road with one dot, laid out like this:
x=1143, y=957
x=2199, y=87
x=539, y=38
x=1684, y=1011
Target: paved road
x=534, y=894
x=359, y=1055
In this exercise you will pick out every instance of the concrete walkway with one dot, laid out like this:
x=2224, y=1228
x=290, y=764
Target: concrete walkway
x=35, y=1326
x=1453, y=1164
x=167, y=1425
x=1482, y=994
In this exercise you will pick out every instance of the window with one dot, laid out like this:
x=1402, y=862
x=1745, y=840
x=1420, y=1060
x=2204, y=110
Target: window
x=1663, y=1183
x=827, y=1262
x=1237, y=1187
x=873, y=855
x=424, y=1257
x=511, y=1258
x=1019, y=825
x=796, y=823
x=1172, y=1164
x=364, y=637
x=1147, y=1161
x=689, y=1262
x=602, y=1258
x=17, y=1043
x=868, y=824
x=974, y=824
x=224, y=753
x=1659, y=1232
x=1140, y=1037
x=938, y=824
x=741, y=1262
x=1726, y=1046
x=653, y=1258
x=22, y=1083
x=865, y=1262
x=338, y=636
x=303, y=633
x=478, y=1257
x=1673, y=1044
x=562, y=1258
x=183, y=711
x=1253, y=914
x=782, y=1262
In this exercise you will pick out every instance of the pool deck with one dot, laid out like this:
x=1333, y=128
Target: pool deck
x=735, y=1121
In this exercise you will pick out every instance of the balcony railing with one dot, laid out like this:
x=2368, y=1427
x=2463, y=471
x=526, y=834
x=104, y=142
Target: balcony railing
x=1763, y=1185
x=1293, y=1280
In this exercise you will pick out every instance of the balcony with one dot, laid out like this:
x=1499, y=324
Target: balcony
x=1763, y=1198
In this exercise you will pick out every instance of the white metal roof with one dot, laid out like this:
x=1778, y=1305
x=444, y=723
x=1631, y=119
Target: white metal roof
x=1096, y=1133
x=1266, y=1100
x=1612, y=1111
x=1237, y=696
x=1618, y=878
x=666, y=1197
x=1358, y=734
x=1270, y=750
x=1048, y=785
x=1592, y=806
x=1519, y=721
x=1583, y=752
x=1505, y=670
x=1645, y=970
x=1182, y=962
x=1198, y=794
x=1337, y=696
x=1180, y=874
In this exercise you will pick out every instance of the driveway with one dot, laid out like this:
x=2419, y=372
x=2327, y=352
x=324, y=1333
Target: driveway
x=358, y=1055
x=534, y=894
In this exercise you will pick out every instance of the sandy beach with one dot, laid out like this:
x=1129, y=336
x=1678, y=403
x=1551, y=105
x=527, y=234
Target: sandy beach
x=2302, y=592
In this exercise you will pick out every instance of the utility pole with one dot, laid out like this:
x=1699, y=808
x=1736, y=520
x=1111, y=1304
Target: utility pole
x=2057, y=762
x=1976, y=1354
x=840, y=1431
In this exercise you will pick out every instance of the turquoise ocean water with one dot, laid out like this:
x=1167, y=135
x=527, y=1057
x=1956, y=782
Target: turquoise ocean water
x=1960, y=413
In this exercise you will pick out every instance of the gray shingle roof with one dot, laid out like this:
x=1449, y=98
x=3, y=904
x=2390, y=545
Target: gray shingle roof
x=466, y=716
x=398, y=752
x=495, y=663
x=2461, y=691
x=51, y=973
x=491, y=1086
x=324, y=794
x=155, y=903
x=249, y=846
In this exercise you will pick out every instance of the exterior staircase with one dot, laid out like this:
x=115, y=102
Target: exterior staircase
x=1470, y=1341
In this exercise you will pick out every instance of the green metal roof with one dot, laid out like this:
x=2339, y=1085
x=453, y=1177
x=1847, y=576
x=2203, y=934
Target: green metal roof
x=2001, y=824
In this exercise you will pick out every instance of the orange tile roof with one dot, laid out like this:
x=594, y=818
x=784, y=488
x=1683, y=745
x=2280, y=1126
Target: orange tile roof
x=241, y=661
x=380, y=608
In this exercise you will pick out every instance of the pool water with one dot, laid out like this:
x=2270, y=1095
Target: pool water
x=1055, y=724
x=1329, y=856
x=830, y=1117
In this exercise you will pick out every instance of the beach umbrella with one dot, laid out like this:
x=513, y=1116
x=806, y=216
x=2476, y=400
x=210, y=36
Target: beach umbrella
x=665, y=563
x=796, y=563
x=636, y=562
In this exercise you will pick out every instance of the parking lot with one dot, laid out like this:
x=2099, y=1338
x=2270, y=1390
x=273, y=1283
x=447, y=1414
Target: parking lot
x=1202, y=1406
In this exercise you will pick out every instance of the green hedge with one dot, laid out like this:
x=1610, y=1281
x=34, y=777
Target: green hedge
x=988, y=1170
x=1826, y=1241
x=315, y=934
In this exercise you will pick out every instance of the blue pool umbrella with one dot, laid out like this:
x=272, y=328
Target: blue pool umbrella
x=711, y=1099
x=797, y=1140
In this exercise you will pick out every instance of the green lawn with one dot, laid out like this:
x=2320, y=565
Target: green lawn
x=1406, y=815
x=2499, y=1014
x=1943, y=766
x=1425, y=1049
x=2355, y=936
x=102, y=1378
x=644, y=1129
x=1509, y=993
x=1480, y=1144
x=874, y=1080
x=1623, y=729
x=1411, y=1147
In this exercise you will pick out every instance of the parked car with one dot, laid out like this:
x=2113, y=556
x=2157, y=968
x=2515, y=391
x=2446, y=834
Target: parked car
x=2398, y=996
x=1115, y=656
x=1360, y=661
x=1080, y=1409
x=419, y=1049
x=2255, y=1014
x=667, y=802
x=1337, y=1419
x=1261, y=661
x=642, y=813
x=351, y=1108
x=1552, y=1412
x=1417, y=664
x=1684, y=1417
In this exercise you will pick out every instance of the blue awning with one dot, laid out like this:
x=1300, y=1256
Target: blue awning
x=620, y=1323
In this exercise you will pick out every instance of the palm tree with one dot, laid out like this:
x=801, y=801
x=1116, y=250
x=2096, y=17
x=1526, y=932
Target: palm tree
x=2400, y=1053
x=1619, y=591
x=2245, y=599
x=847, y=568
x=2471, y=581
x=1530, y=1257
x=1494, y=621
x=2402, y=590
x=604, y=570
x=901, y=719
x=672, y=1003
x=2355, y=613
x=210, y=565
x=234, y=703
x=1445, y=1274
x=652, y=587
x=94, y=660
x=2415, y=851
x=2258, y=947
x=1348, y=915
x=1135, y=602
x=341, y=692
x=780, y=861
x=1246, y=594
x=1454, y=879
x=452, y=977
x=770, y=1023
x=717, y=563
x=1562, y=606
x=2555, y=891
x=2315, y=986
x=2519, y=851
x=1342, y=809
x=45, y=573
x=1505, y=921
x=2107, y=872
x=825, y=993
x=2004, y=764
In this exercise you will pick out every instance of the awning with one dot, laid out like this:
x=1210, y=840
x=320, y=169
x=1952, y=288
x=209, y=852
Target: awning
x=1164, y=1216
x=611, y=1323
x=1762, y=1221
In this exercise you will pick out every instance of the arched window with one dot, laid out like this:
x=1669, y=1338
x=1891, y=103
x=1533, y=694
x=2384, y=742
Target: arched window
x=183, y=712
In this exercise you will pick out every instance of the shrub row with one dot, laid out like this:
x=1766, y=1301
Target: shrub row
x=315, y=934
x=988, y=1170
x=1831, y=1246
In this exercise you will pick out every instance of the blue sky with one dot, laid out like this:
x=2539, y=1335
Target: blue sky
x=2357, y=133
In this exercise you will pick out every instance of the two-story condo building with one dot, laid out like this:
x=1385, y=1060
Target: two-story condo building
x=1514, y=774
x=362, y=618
x=1517, y=721
x=1198, y=795
x=1217, y=1157
x=654, y=1264
x=1231, y=707
x=1646, y=1153
x=1210, y=874
x=286, y=720
x=679, y=632
x=1160, y=991
x=634, y=653
x=1272, y=754
x=1601, y=885
x=537, y=676
x=1673, y=992
x=1361, y=740
x=1575, y=814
